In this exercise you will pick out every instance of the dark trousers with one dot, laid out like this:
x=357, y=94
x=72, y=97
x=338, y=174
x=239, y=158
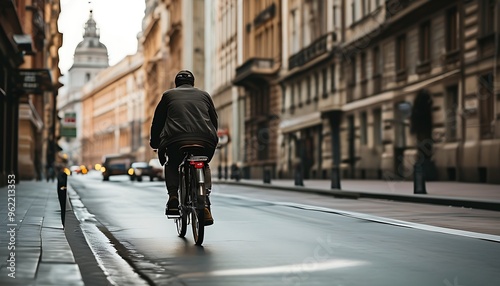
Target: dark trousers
x=175, y=157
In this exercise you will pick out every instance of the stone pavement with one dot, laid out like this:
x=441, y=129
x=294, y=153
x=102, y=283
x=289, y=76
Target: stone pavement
x=470, y=195
x=33, y=245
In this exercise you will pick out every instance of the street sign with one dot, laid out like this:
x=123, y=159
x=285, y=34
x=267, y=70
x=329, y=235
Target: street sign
x=68, y=126
x=223, y=135
x=34, y=81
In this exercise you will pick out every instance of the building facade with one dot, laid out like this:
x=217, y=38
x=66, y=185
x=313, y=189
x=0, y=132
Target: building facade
x=113, y=112
x=222, y=52
x=28, y=87
x=172, y=39
x=258, y=74
x=389, y=57
x=367, y=89
x=311, y=99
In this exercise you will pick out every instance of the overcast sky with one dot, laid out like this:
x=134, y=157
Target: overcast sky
x=119, y=22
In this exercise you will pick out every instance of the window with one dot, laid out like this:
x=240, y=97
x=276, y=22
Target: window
x=401, y=53
x=325, y=82
x=353, y=8
x=295, y=34
x=377, y=126
x=452, y=30
x=316, y=86
x=377, y=61
x=487, y=17
x=451, y=112
x=352, y=70
x=425, y=42
x=335, y=17
x=366, y=7
x=377, y=70
x=363, y=66
x=283, y=98
x=332, y=78
x=486, y=104
x=299, y=95
x=308, y=100
x=364, y=127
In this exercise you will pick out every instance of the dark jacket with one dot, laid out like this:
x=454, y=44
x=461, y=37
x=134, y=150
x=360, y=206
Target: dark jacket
x=184, y=113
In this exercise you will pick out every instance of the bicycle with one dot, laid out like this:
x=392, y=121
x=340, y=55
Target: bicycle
x=192, y=193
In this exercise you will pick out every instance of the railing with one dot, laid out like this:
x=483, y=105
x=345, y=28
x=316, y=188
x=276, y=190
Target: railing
x=317, y=48
x=255, y=65
x=395, y=6
x=265, y=15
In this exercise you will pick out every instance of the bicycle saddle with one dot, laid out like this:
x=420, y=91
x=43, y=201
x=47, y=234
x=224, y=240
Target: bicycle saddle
x=192, y=148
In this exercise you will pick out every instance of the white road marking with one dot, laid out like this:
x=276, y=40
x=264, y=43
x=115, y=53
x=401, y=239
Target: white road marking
x=489, y=237
x=292, y=268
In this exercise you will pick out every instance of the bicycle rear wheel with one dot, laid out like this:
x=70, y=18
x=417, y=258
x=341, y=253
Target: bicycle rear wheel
x=198, y=216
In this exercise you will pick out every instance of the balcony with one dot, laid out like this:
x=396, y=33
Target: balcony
x=314, y=50
x=253, y=71
x=395, y=6
x=265, y=15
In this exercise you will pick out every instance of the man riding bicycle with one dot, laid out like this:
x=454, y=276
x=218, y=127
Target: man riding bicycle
x=185, y=115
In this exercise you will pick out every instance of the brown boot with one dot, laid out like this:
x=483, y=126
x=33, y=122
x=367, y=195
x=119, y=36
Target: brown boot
x=209, y=220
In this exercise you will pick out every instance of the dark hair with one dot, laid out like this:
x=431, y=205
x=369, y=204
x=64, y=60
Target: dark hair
x=184, y=77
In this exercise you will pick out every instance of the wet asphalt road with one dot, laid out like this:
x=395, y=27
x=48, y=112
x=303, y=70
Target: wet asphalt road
x=268, y=240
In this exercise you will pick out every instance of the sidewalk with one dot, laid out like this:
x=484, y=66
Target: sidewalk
x=470, y=195
x=33, y=245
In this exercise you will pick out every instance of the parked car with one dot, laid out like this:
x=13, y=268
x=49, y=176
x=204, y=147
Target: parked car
x=75, y=169
x=139, y=169
x=115, y=165
x=156, y=170
x=82, y=169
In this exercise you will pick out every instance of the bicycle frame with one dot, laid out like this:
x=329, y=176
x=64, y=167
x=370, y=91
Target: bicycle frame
x=192, y=195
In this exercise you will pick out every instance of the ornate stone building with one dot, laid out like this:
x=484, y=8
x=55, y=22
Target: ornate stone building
x=28, y=88
x=113, y=110
x=223, y=49
x=395, y=49
x=258, y=74
x=311, y=104
x=172, y=39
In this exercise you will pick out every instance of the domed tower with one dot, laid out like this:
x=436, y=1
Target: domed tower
x=91, y=56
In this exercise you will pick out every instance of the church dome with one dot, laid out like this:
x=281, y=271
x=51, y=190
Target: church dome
x=91, y=50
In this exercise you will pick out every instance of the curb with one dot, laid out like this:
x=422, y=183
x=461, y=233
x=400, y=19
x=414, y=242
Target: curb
x=421, y=198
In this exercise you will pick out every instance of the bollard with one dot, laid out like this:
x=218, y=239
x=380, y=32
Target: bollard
x=219, y=170
x=62, y=180
x=418, y=180
x=267, y=176
x=298, y=177
x=335, y=183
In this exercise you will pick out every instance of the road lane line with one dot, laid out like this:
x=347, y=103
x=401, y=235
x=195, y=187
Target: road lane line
x=378, y=219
